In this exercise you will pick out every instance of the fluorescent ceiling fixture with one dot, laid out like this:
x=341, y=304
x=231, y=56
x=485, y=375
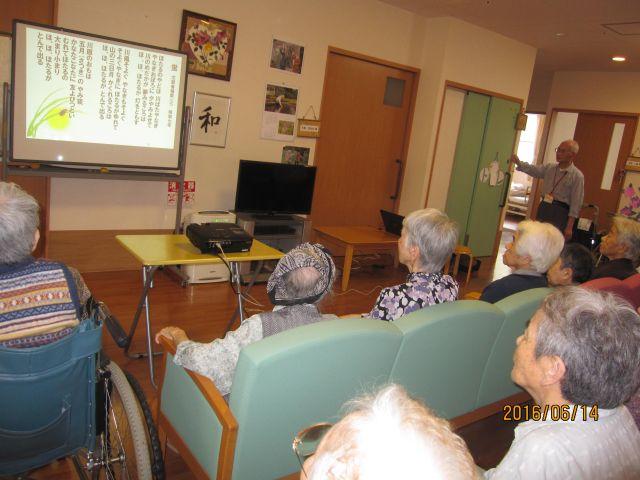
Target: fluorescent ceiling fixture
x=619, y=58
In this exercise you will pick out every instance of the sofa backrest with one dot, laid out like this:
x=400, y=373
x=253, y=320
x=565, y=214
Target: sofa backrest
x=517, y=310
x=444, y=351
x=302, y=376
x=633, y=282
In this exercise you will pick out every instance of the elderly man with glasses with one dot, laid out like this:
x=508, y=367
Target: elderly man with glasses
x=562, y=187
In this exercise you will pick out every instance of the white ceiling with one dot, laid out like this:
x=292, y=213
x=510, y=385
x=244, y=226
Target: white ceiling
x=569, y=34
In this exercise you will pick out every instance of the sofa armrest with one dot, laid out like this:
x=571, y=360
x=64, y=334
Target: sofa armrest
x=188, y=393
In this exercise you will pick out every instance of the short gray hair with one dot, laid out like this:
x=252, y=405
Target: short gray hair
x=573, y=145
x=19, y=220
x=435, y=235
x=391, y=435
x=629, y=236
x=597, y=336
x=541, y=242
x=301, y=282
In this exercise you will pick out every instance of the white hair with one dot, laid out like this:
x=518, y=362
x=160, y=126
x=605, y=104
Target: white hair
x=435, y=235
x=541, y=242
x=390, y=435
x=19, y=220
x=629, y=236
x=573, y=146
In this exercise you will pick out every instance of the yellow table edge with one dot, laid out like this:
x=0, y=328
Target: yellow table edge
x=172, y=249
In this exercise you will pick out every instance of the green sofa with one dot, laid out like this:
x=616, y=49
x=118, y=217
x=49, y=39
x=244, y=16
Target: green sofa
x=457, y=357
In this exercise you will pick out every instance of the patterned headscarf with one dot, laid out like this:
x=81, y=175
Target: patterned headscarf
x=304, y=255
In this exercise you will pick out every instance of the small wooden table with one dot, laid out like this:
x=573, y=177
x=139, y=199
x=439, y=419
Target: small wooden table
x=358, y=237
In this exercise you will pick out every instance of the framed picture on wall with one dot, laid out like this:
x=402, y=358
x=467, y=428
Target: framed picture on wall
x=208, y=43
x=210, y=120
x=286, y=56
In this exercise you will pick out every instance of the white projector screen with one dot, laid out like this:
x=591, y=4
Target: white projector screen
x=81, y=99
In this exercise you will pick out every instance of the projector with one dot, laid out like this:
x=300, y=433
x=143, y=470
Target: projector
x=219, y=237
x=211, y=272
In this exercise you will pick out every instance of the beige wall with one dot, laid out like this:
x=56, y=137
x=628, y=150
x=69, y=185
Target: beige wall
x=463, y=53
x=603, y=91
x=441, y=48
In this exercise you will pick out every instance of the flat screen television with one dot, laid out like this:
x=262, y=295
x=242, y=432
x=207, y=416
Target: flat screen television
x=274, y=188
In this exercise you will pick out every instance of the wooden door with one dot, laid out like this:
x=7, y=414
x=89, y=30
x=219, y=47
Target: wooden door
x=365, y=115
x=594, y=133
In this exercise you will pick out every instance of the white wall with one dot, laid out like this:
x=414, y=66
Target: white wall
x=470, y=55
x=441, y=48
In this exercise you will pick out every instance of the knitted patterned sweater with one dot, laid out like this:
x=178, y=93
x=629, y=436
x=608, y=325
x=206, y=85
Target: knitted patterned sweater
x=38, y=303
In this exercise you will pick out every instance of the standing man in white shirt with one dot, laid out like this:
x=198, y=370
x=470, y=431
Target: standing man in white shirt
x=562, y=187
x=580, y=361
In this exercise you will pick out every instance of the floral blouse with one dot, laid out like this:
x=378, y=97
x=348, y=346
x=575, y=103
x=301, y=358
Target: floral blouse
x=420, y=290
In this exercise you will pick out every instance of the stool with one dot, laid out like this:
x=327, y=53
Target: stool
x=458, y=252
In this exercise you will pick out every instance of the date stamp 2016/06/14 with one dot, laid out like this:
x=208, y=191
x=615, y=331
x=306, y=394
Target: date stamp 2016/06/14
x=555, y=413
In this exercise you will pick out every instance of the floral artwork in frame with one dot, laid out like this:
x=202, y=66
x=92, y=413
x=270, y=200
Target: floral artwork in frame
x=208, y=43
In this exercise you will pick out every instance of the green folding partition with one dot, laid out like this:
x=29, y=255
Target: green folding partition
x=465, y=165
x=487, y=133
x=486, y=205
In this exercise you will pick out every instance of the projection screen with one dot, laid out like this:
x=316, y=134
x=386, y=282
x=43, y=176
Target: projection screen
x=82, y=99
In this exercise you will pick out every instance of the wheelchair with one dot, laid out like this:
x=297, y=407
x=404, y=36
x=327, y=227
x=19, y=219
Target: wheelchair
x=68, y=399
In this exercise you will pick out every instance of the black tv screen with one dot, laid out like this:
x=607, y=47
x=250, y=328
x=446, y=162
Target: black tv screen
x=274, y=188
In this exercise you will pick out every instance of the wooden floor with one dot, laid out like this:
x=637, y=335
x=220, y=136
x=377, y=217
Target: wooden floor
x=203, y=311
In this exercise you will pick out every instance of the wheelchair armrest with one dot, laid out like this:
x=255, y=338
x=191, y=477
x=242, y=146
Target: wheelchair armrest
x=184, y=405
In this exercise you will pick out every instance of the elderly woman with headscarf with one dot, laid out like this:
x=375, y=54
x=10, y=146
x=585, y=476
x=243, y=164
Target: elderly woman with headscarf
x=41, y=301
x=622, y=247
x=299, y=281
x=427, y=241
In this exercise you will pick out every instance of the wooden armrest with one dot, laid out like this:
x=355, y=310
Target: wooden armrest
x=219, y=406
x=352, y=315
x=472, y=296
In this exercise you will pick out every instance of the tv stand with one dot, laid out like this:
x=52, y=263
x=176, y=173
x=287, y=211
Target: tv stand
x=282, y=232
x=269, y=216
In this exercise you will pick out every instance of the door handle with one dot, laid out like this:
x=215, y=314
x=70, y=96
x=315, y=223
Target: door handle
x=398, y=179
x=507, y=185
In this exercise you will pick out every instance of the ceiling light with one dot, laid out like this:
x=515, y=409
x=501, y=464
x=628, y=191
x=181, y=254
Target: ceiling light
x=619, y=58
x=559, y=34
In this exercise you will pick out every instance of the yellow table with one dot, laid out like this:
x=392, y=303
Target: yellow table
x=154, y=251
x=354, y=237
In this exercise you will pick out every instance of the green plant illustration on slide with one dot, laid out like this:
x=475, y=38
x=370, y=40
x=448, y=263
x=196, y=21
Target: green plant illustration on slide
x=53, y=111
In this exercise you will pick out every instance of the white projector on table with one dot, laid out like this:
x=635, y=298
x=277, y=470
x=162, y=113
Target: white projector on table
x=213, y=272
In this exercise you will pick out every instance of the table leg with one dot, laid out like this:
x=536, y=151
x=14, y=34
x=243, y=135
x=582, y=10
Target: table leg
x=147, y=281
x=346, y=269
x=239, y=308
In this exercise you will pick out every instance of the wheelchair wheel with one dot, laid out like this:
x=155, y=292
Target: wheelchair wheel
x=155, y=449
x=122, y=450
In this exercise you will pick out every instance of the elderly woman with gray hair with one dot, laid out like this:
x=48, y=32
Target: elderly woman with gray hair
x=300, y=280
x=534, y=248
x=427, y=241
x=40, y=301
x=622, y=247
x=580, y=361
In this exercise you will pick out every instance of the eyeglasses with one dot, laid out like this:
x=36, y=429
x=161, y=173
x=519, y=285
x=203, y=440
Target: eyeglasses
x=562, y=150
x=306, y=441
